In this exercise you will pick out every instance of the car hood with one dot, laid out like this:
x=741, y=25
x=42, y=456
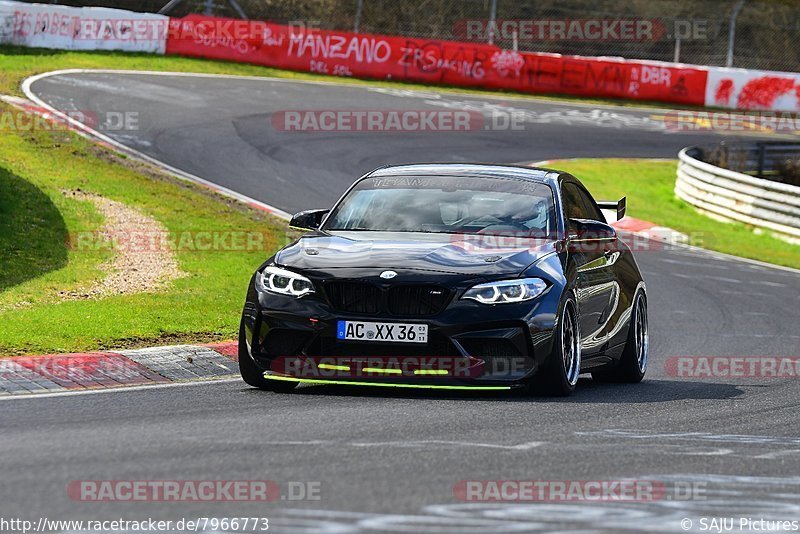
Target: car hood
x=476, y=255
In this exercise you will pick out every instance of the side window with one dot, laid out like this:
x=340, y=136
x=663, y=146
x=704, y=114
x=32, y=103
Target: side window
x=590, y=208
x=574, y=206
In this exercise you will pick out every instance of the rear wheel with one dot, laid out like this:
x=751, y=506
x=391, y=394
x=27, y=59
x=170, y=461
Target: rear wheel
x=559, y=375
x=632, y=364
x=255, y=376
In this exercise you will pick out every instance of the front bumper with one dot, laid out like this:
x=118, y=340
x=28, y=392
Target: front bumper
x=269, y=375
x=469, y=344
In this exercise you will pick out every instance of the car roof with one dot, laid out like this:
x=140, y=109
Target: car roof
x=477, y=170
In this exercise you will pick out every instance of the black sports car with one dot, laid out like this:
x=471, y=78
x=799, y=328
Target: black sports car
x=450, y=276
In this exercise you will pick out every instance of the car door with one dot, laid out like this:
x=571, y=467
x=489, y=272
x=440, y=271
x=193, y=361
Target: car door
x=596, y=287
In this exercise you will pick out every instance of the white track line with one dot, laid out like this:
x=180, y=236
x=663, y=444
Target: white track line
x=367, y=85
x=26, y=89
x=178, y=173
x=119, y=389
x=181, y=174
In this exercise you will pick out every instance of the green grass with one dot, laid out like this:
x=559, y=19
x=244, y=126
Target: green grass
x=18, y=63
x=649, y=187
x=40, y=257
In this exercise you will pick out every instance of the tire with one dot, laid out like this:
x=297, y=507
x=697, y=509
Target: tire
x=559, y=375
x=254, y=376
x=632, y=365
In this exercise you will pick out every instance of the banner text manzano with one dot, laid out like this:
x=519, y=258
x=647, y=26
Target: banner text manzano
x=436, y=61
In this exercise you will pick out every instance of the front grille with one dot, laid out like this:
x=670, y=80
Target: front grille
x=489, y=348
x=401, y=300
x=354, y=297
x=417, y=300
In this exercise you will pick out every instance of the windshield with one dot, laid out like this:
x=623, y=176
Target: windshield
x=446, y=205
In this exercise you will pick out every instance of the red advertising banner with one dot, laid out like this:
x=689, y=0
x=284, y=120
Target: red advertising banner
x=432, y=61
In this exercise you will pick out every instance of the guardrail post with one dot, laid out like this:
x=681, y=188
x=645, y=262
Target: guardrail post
x=169, y=7
x=236, y=7
x=732, y=31
x=492, y=21
x=359, y=11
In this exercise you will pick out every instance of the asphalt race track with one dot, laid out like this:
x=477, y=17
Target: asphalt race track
x=388, y=462
x=222, y=130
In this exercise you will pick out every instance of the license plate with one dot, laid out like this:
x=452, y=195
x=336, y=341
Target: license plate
x=384, y=332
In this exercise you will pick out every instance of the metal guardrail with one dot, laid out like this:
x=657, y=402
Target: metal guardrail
x=760, y=159
x=736, y=196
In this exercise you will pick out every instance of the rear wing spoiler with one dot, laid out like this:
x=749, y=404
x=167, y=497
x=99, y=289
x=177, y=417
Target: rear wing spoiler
x=618, y=205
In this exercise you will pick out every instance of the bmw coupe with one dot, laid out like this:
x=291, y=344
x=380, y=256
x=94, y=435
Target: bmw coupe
x=450, y=276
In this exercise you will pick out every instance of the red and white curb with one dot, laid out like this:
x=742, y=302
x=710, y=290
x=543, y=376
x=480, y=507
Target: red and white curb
x=650, y=230
x=629, y=225
x=102, y=370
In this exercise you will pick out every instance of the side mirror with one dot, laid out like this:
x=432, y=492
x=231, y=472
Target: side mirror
x=308, y=220
x=583, y=230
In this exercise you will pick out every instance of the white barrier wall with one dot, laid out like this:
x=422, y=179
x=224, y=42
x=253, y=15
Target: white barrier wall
x=734, y=196
x=82, y=28
x=753, y=89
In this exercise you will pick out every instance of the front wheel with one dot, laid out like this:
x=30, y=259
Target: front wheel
x=559, y=375
x=633, y=362
x=255, y=376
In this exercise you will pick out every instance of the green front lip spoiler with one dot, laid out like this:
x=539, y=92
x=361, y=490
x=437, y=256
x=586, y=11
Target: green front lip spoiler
x=317, y=382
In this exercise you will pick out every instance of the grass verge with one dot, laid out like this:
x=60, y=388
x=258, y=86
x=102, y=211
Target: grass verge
x=50, y=247
x=649, y=187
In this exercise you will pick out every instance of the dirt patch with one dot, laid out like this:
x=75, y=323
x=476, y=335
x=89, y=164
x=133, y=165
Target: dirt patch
x=188, y=338
x=132, y=270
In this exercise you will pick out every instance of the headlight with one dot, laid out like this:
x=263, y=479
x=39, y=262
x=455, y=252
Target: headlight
x=506, y=291
x=285, y=282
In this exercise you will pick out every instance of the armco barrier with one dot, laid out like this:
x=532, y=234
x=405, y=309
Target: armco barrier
x=81, y=28
x=735, y=196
